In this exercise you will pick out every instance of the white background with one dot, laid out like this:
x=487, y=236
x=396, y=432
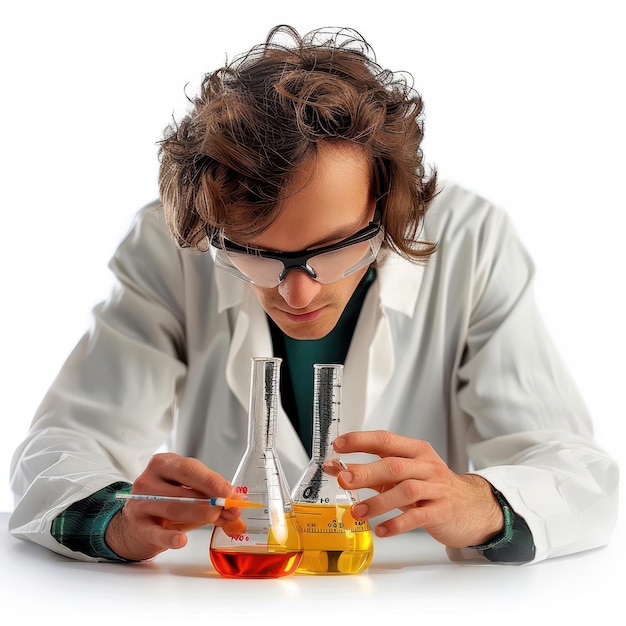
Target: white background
x=525, y=104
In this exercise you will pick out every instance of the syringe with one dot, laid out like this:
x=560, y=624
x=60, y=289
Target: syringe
x=227, y=503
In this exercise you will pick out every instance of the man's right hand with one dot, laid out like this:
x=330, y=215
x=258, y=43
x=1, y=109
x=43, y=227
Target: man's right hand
x=144, y=528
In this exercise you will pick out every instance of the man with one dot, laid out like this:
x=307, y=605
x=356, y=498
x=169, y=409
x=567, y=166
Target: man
x=316, y=235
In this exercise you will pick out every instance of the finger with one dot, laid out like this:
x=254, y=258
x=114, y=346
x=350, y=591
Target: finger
x=163, y=536
x=409, y=520
x=196, y=513
x=190, y=473
x=171, y=472
x=380, y=442
x=333, y=467
x=139, y=537
x=407, y=494
x=384, y=473
x=144, y=538
x=235, y=528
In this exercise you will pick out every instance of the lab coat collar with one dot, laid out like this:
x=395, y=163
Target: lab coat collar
x=399, y=282
x=230, y=290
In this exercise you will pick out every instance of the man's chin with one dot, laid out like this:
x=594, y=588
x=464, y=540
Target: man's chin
x=305, y=331
x=302, y=334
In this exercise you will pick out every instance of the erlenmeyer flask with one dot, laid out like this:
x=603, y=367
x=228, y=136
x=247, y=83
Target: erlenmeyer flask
x=263, y=542
x=332, y=540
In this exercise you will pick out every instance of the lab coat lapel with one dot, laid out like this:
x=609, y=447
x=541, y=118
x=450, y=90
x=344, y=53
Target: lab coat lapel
x=369, y=364
x=371, y=355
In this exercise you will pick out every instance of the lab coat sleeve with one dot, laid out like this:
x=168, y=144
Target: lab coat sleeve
x=529, y=432
x=110, y=407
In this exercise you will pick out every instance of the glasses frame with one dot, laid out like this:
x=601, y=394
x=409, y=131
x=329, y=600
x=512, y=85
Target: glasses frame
x=298, y=259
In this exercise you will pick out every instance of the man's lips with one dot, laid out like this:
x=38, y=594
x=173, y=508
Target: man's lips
x=304, y=317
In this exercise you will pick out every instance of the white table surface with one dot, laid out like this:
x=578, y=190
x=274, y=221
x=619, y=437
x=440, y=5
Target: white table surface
x=410, y=577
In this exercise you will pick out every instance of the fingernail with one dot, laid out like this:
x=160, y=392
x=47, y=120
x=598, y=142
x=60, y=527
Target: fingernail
x=381, y=531
x=340, y=442
x=346, y=477
x=360, y=510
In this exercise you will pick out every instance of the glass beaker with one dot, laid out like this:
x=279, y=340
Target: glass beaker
x=263, y=542
x=332, y=540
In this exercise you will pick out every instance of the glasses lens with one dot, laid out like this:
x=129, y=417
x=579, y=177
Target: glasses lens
x=252, y=268
x=337, y=264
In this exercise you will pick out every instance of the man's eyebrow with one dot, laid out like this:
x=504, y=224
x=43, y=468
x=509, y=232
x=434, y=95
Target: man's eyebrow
x=341, y=232
x=337, y=235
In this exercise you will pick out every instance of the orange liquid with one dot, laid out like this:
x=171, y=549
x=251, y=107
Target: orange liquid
x=251, y=563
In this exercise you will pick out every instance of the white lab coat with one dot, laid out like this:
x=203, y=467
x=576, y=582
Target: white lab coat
x=454, y=353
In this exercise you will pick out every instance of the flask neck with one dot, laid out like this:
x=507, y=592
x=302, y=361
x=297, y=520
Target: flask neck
x=326, y=411
x=264, y=399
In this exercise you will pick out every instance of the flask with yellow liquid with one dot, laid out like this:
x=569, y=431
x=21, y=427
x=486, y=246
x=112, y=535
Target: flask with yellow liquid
x=332, y=540
x=265, y=541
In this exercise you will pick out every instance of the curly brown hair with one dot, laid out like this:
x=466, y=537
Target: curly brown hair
x=227, y=163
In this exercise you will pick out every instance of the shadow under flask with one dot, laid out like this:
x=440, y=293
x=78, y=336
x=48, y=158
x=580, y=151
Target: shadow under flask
x=264, y=542
x=332, y=540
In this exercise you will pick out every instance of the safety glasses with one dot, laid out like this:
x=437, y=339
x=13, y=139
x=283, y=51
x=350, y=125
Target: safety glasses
x=326, y=264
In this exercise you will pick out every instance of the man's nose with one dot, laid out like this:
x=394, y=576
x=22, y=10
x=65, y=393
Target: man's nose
x=298, y=289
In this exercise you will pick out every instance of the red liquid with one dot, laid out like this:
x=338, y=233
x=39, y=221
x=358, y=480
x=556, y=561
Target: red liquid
x=248, y=564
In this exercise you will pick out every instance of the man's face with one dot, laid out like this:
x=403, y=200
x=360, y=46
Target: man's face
x=329, y=200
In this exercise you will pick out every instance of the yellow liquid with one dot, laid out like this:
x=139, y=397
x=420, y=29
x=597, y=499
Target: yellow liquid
x=332, y=540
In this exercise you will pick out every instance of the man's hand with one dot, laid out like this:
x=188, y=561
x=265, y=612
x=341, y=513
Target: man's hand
x=457, y=510
x=144, y=528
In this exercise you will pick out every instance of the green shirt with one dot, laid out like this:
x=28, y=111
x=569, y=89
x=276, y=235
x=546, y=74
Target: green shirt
x=299, y=356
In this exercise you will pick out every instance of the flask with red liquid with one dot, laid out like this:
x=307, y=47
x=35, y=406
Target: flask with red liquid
x=264, y=542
